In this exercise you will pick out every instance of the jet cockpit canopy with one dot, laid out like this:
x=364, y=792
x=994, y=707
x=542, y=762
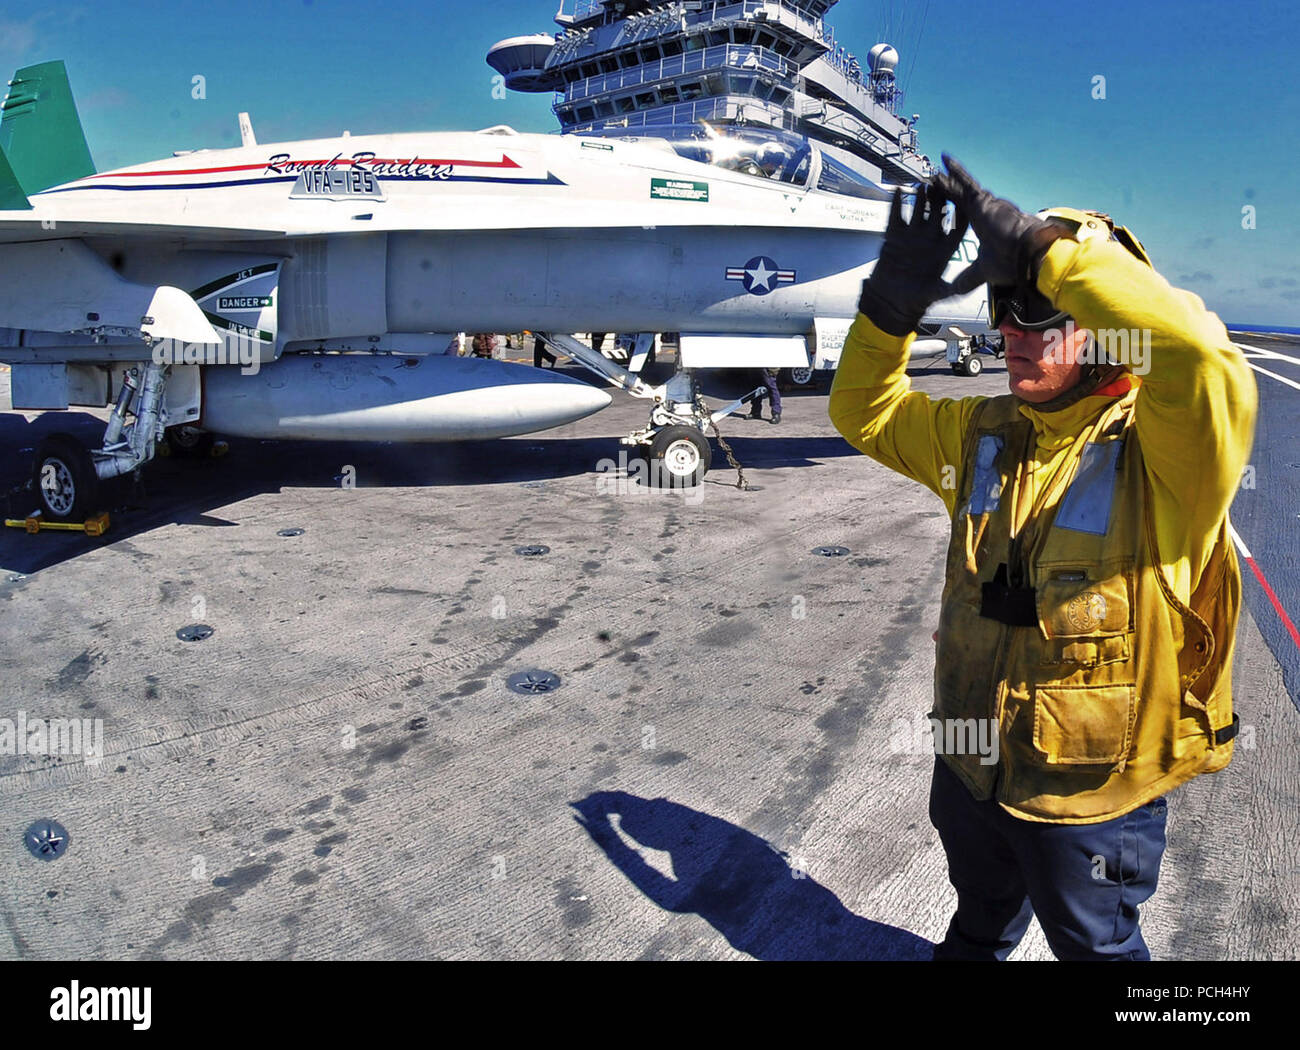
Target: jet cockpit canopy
x=767, y=153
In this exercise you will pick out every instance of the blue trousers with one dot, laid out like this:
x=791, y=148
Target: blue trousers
x=773, y=391
x=768, y=378
x=1083, y=881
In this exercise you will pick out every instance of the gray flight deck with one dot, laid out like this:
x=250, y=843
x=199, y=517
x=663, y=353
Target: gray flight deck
x=339, y=771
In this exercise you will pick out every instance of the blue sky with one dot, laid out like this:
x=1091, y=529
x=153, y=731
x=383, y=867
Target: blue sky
x=1199, y=118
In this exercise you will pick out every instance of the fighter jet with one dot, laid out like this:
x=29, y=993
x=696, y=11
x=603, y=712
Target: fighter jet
x=305, y=290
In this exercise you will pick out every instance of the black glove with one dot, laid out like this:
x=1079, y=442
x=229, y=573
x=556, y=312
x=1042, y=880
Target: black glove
x=909, y=273
x=1012, y=244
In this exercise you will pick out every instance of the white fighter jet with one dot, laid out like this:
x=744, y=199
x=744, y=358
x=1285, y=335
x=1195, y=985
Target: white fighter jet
x=305, y=290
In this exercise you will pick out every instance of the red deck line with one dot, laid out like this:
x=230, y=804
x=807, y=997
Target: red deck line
x=1259, y=575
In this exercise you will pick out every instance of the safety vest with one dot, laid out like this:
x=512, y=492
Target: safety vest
x=1107, y=691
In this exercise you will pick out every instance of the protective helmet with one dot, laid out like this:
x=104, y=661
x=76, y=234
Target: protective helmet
x=1024, y=304
x=771, y=157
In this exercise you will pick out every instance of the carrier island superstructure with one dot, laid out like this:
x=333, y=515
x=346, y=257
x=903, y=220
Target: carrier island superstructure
x=642, y=67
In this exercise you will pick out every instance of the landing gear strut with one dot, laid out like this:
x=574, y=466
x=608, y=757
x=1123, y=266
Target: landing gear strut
x=674, y=442
x=67, y=477
x=964, y=357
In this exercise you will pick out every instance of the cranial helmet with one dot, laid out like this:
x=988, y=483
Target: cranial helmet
x=1023, y=304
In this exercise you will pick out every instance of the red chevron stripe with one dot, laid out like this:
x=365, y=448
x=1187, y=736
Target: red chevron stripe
x=504, y=162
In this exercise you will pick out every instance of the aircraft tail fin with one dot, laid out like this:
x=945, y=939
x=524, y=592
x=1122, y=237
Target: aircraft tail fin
x=12, y=197
x=40, y=131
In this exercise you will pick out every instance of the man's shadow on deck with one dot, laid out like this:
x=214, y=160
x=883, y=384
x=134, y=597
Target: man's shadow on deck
x=738, y=882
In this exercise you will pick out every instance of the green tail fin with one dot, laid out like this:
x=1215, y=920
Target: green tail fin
x=41, y=132
x=12, y=197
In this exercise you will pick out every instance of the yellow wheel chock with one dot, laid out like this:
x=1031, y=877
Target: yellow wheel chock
x=96, y=525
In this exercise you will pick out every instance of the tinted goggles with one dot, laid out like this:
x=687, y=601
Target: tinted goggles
x=1025, y=307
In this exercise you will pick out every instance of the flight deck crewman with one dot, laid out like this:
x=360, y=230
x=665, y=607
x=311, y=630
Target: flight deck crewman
x=1091, y=598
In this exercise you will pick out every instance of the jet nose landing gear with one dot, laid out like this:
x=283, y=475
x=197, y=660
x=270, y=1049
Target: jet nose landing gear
x=679, y=457
x=674, y=443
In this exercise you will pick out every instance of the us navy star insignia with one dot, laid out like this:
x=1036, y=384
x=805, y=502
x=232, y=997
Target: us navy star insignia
x=760, y=275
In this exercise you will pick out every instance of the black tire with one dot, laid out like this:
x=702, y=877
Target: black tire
x=801, y=377
x=189, y=442
x=974, y=366
x=678, y=457
x=64, y=479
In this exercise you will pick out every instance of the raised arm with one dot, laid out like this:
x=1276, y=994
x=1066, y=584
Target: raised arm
x=873, y=405
x=1195, y=413
x=1197, y=402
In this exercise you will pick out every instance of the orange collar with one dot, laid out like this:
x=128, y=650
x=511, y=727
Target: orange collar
x=1115, y=388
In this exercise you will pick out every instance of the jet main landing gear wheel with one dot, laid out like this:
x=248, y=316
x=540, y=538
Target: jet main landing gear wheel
x=679, y=457
x=188, y=442
x=64, y=479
